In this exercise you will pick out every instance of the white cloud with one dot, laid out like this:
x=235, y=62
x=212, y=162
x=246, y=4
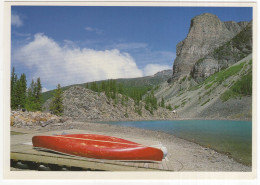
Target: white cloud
x=16, y=20
x=65, y=65
x=91, y=29
x=151, y=69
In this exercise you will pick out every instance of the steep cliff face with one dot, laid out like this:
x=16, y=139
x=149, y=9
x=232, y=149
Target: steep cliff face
x=224, y=56
x=206, y=33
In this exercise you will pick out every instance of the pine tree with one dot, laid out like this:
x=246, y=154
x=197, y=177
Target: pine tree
x=30, y=102
x=94, y=86
x=103, y=86
x=17, y=94
x=13, y=89
x=113, y=89
x=114, y=86
x=38, y=94
x=107, y=90
x=23, y=90
x=120, y=88
x=153, y=100
x=137, y=97
x=34, y=96
x=20, y=91
x=123, y=100
x=110, y=84
x=169, y=107
x=162, y=102
x=56, y=106
x=150, y=102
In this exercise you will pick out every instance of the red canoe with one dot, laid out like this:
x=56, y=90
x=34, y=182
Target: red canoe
x=99, y=147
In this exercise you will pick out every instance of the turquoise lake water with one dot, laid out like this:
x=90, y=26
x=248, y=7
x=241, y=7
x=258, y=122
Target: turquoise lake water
x=230, y=137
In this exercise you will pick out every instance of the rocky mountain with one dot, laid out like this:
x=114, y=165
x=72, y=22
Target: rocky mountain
x=83, y=104
x=206, y=33
x=224, y=56
x=212, y=73
x=129, y=83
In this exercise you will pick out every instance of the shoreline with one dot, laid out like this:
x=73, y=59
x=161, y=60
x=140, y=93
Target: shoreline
x=177, y=119
x=193, y=141
x=188, y=154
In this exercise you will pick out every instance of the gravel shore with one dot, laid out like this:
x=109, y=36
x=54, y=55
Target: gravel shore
x=184, y=155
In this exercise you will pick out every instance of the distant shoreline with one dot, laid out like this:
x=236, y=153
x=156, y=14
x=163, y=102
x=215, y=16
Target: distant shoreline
x=177, y=119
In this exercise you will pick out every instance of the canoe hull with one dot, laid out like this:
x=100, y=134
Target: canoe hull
x=98, y=147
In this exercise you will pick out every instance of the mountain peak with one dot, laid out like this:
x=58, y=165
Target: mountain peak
x=206, y=33
x=166, y=72
x=206, y=16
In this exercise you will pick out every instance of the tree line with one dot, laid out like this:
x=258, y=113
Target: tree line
x=30, y=98
x=23, y=97
x=111, y=89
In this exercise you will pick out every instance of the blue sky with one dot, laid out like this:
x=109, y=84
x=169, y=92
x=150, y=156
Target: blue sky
x=70, y=45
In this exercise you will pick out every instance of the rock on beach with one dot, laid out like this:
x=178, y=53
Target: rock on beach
x=33, y=119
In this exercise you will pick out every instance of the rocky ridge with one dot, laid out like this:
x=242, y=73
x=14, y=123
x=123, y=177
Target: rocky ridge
x=206, y=33
x=83, y=104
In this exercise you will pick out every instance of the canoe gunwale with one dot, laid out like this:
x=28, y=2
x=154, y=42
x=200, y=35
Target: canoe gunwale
x=80, y=157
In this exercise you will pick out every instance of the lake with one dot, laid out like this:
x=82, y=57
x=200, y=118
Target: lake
x=230, y=137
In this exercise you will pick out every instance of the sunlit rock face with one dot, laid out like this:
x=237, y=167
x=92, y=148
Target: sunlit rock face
x=206, y=33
